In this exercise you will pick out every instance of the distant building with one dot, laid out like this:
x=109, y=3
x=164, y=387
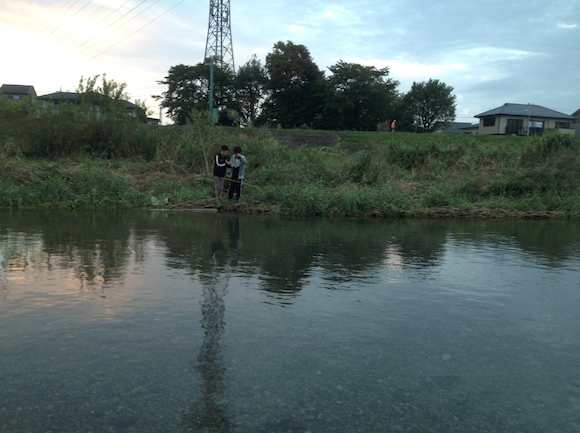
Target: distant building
x=58, y=98
x=521, y=119
x=152, y=121
x=471, y=129
x=453, y=127
x=576, y=123
x=22, y=95
x=18, y=93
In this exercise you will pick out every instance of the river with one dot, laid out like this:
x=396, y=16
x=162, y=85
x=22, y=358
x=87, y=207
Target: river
x=175, y=322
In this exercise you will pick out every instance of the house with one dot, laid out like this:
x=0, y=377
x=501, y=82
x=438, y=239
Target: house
x=58, y=98
x=524, y=119
x=471, y=129
x=18, y=93
x=576, y=123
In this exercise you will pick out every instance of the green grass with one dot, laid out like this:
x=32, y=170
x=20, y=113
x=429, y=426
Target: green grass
x=361, y=173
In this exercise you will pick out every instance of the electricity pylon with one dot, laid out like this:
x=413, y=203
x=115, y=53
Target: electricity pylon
x=219, y=35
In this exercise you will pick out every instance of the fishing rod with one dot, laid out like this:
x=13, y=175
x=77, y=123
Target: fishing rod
x=239, y=181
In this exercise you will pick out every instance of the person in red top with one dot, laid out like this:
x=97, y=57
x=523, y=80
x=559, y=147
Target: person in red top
x=393, y=124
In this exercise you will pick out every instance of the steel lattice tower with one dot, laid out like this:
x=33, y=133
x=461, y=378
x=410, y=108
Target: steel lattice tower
x=219, y=35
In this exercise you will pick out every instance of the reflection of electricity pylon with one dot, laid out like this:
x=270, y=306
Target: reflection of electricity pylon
x=211, y=413
x=219, y=35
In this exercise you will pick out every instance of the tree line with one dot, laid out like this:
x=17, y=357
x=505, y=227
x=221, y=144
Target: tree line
x=290, y=91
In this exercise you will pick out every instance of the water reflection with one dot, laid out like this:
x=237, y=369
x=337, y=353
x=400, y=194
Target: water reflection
x=387, y=325
x=97, y=248
x=211, y=413
x=94, y=248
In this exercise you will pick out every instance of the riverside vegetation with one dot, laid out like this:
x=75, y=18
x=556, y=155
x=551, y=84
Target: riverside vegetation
x=68, y=158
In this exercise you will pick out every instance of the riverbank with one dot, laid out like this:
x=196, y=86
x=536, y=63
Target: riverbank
x=382, y=175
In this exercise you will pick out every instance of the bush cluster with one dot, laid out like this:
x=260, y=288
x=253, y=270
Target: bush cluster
x=71, y=159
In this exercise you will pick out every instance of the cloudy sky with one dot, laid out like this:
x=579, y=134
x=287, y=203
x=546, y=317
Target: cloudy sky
x=490, y=51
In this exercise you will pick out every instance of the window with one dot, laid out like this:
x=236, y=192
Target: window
x=563, y=125
x=489, y=121
x=514, y=127
x=15, y=97
x=536, y=127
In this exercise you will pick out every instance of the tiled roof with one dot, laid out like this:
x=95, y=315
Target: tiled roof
x=16, y=89
x=525, y=110
x=72, y=96
x=59, y=96
x=456, y=127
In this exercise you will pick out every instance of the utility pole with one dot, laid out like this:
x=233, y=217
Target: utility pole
x=213, y=112
x=219, y=35
x=417, y=117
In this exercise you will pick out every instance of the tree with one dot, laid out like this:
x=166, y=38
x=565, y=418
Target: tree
x=296, y=87
x=432, y=103
x=188, y=90
x=250, y=83
x=108, y=99
x=360, y=97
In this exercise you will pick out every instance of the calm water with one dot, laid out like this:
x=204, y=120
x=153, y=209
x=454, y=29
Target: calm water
x=152, y=322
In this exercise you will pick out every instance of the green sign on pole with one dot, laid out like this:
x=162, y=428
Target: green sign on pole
x=212, y=111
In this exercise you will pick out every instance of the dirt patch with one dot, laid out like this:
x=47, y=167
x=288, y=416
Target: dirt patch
x=296, y=138
x=244, y=207
x=454, y=212
x=450, y=212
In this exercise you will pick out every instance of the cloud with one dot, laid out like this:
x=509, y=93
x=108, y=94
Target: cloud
x=339, y=15
x=400, y=68
x=490, y=51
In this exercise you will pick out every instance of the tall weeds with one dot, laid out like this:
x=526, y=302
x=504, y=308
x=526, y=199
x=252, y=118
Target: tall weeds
x=70, y=158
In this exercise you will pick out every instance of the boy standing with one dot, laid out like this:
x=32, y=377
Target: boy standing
x=219, y=171
x=238, y=172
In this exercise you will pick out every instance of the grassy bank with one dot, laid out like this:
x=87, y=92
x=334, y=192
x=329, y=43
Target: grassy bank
x=373, y=174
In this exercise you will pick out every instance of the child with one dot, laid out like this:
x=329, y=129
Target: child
x=219, y=171
x=238, y=172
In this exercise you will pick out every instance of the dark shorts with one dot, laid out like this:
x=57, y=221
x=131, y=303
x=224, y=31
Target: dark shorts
x=218, y=183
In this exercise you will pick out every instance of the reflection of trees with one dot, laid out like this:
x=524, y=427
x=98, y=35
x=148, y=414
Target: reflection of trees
x=211, y=412
x=281, y=252
x=552, y=241
x=419, y=243
x=18, y=252
x=96, y=248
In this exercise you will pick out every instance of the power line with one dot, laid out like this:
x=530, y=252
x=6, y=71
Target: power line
x=139, y=29
x=104, y=19
x=124, y=24
x=76, y=13
x=67, y=35
x=54, y=17
x=117, y=20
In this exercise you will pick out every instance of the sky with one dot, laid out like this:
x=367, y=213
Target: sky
x=491, y=52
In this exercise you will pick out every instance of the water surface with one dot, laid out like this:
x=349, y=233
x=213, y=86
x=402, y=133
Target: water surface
x=152, y=322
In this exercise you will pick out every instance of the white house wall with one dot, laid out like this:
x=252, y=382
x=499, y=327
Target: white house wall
x=501, y=124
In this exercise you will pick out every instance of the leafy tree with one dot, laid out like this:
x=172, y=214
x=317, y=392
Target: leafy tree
x=110, y=97
x=250, y=85
x=360, y=97
x=432, y=103
x=296, y=87
x=188, y=90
